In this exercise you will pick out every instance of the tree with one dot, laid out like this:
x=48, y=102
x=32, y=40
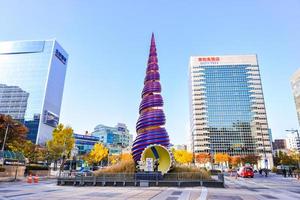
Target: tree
x=183, y=156
x=235, y=160
x=27, y=148
x=251, y=159
x=31, y=151
x=113, y=159
x=16, y=131
x=202, y=158
x=97, y=154
x=126, y=157
x=221, y=158
x=296, y=157
x=283, y=158
x=61, y=144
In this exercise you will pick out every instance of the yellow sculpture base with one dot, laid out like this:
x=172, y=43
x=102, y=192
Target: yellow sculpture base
x=164, y=156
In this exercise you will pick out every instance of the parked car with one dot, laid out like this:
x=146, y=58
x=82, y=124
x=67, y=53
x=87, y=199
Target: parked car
x=245, y=172
x=84, y=172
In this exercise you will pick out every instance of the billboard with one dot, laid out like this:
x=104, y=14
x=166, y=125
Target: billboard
x=50, y=118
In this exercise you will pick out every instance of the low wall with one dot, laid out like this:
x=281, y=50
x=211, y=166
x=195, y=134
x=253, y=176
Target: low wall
x=130, y=180
x=11, y=170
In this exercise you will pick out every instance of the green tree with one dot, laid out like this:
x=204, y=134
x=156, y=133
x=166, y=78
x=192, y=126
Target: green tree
x=61, y=144
x=31, y=151
x=283, y=158
x=16, y=131
x=296, y=157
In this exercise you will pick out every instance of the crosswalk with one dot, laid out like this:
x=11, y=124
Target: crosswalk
x=197, y=193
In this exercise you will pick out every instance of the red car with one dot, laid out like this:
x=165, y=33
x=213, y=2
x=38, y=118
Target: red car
x=246, y=172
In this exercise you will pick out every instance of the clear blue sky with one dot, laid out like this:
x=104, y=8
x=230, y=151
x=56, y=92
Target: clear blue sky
x=108, y=44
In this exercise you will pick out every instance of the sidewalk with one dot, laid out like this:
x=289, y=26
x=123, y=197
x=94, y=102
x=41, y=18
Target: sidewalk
x=11, y=179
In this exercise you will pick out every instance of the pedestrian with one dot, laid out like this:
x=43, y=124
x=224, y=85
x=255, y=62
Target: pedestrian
x=156, y=164
x=284, y=172
x=260, y=171
x=290, y=172
x=266, y=172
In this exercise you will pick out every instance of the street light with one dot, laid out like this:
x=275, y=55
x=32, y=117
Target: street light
x=6, y=133
x=298, y=141
x=5, y=136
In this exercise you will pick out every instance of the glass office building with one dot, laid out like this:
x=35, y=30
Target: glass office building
x=115, y=138
x=227, y=109
x=84, y=143
x=32, y=75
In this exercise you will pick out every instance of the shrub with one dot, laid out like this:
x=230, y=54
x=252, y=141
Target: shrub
x=125, y=166
x=36, y=167
x=191, y=172
x=2, y=169
x=297, y=171
x=274, y=169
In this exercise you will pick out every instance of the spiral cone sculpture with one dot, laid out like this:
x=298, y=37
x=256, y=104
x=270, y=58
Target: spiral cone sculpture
x=152, y=138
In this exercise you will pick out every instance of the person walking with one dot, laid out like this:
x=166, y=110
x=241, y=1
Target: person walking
x=284, y=172
x=266, y=172
x=260, y=172
x=290, y=172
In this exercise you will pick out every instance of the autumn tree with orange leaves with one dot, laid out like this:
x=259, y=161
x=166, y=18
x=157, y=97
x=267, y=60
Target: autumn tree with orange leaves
x=202, y=158
x=235, y=160
x=221, y=158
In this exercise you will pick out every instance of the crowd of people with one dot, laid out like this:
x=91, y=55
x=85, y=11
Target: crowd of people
x=288, y=172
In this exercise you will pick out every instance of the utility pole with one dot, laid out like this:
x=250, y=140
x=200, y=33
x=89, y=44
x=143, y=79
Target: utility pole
x=5, y=136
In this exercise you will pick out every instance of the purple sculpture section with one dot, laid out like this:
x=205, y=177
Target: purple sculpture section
x=149, y=126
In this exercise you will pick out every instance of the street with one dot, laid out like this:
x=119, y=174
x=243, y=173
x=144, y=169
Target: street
x=258, y=188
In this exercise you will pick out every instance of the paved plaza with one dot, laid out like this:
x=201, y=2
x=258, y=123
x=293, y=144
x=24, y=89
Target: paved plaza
x=258, y=188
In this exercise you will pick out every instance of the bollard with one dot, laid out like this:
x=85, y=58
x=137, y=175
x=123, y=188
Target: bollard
x=29, y=179
x=36, y=179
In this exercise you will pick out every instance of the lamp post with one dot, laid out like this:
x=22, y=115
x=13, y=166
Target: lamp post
x=5, y=136
x=298, y=141
x=6, y=133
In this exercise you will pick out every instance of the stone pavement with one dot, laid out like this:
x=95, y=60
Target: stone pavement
x=49, y=190
x=257, y=188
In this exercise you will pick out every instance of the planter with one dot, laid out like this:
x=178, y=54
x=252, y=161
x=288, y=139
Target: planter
x=39, y=172
x=11, y=170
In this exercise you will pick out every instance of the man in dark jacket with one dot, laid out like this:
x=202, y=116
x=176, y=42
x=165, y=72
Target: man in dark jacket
x=284, y=172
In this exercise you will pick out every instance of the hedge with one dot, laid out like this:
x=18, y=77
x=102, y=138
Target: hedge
x=36, y=167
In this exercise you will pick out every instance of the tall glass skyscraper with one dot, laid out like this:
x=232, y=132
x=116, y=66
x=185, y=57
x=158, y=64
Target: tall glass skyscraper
x=32, y=75
x=227, y=109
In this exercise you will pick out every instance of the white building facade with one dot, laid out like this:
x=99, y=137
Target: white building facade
x=293, y=141
x=227, y=108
